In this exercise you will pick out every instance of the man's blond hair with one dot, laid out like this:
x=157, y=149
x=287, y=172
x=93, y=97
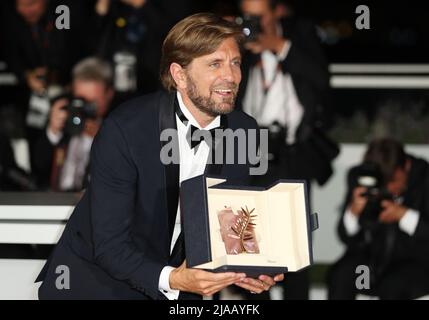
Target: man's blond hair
x=195, y=36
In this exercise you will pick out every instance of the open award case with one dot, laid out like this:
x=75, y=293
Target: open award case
x=247, y=229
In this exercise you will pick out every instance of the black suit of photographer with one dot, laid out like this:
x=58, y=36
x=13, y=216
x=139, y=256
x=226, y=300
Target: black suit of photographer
x=399, y=262
x=43, y=159
x=307, y=66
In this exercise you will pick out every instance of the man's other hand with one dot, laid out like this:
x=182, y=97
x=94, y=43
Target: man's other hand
x=358, y=201
x=202, y=282
x=58, y=116
x=263, y=283
x=392, y=212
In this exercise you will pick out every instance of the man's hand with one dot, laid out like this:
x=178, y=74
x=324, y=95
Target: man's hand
x=263, y=283
x=58, y=116
x=202, y=282
x=266, y=42
x=358, y=201
x=102, y=7
x=135, y=3
x=91, y=127
x=392, y=212
x=35, y=79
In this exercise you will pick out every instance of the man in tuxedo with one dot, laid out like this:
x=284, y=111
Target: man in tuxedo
x=284, y=87
x=392, y=240
x=123, y=240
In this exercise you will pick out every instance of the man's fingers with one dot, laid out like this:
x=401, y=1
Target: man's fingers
x=250, y=288
x=386, y=217
x=208, y=288
x=220, y=277
x=211, y=290
x=279, y=277
x=255, y=47
x=210, y=279
x=257, y=284
x=268, y=280
x=386, y=203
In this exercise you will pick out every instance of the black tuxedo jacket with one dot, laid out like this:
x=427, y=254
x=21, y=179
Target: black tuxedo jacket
x=118, y=239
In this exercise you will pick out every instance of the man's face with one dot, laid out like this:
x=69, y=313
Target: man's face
x=31, y=10
x=212, y=80
x=94, y=92
x=261, y=9
x=398, y=183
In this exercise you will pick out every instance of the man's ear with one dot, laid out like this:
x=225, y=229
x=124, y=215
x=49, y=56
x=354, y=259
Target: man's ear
x=179, y=75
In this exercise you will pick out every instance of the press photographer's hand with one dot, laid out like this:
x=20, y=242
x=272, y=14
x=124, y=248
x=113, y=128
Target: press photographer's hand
x=358, y=201
x=263, y=283
x=58, y=116
x=202, y=282
x=392, y=212
x=91, y=127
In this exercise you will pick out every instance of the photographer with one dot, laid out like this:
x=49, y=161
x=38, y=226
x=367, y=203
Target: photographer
x=285, y=84
x=62, y=153
x=129, y=34
x=385, y=225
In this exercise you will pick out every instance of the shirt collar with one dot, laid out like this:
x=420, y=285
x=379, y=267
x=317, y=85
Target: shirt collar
x=214, y=124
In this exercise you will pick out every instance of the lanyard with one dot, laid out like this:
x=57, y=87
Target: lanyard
x=258, y=110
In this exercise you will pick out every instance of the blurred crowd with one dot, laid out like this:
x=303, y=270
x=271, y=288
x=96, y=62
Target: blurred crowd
x=67, y=80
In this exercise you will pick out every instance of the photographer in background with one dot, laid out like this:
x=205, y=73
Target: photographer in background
x=285, y=85
x=62, y=153
x=385, y=225
x=40, y=55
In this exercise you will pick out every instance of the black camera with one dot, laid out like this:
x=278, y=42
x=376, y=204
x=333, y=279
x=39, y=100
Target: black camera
x=370, y=176
x=251, y=26
x=79, y=111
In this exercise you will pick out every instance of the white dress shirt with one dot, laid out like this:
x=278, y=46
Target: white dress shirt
x=281, y=102
x=192, y=164
x=54, y=138
x=76, y=163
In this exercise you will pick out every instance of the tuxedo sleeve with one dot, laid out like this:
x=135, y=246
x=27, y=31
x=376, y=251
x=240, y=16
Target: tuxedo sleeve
x=112, y=196
x=350, y=239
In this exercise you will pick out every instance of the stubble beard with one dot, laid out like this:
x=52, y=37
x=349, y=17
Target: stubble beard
x=208, y=104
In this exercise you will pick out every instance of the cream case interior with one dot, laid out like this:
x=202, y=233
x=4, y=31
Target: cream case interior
x=281, y=226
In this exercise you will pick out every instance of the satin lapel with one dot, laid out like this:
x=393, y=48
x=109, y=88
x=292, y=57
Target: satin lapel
x=167, y=120
x=215, y=169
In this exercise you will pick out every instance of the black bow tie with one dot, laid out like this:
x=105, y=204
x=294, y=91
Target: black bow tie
x=194, y=136
x=200, y=135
